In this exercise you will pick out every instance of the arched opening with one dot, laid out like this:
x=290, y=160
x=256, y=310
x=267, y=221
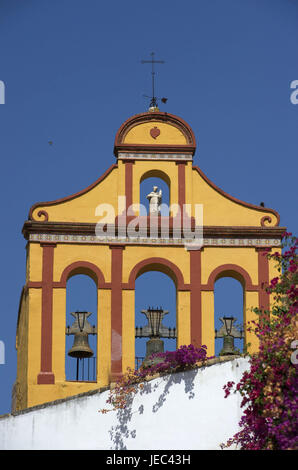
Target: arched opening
x=81, y=296
x=162, y=182
x=229, y=302
x=154, y=289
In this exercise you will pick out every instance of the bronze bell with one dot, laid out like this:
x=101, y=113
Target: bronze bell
x=80, y=347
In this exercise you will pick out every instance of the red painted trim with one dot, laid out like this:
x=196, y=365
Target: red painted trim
x=230, y=270
x=238, y=201
x=68, y=198
x=82, y=267
x=157, y=264
x=45, y=214
x=46, y=375
x=154, y=148
x=156, y=159
x=45, y=378
x=34, y=284
x=46, y=244
x=156, y=173
x=116, y=312
x=264, y=219
x=263, y=277
x=195, y=298
x=181, y=185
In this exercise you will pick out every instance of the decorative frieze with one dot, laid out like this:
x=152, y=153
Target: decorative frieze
x=93, y=239
x=155, y=156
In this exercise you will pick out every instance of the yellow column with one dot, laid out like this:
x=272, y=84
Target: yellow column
x=188, y=187
x=34, y=336
x=174, y=189
x=183, y=318
x=128, y=330
x=121, y=179
x=273, y=272
x=251, y=301
x=59, y=324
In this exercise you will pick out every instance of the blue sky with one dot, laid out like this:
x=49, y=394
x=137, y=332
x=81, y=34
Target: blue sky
x=72, y=74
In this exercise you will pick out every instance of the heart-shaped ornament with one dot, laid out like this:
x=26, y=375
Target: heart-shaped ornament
x=154, y=132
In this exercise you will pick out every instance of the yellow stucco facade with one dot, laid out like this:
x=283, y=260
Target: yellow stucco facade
x=66, y=237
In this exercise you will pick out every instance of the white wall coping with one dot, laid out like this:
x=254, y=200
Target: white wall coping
x=185, y=410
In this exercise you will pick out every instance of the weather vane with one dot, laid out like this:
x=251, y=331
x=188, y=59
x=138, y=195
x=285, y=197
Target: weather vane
x=153, y=102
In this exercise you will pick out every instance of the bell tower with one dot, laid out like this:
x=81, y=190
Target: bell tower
x=100, y=232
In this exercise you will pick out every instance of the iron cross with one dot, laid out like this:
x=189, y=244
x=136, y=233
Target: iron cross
x=152, y=61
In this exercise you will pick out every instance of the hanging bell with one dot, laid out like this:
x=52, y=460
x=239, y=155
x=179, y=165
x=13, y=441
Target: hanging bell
x=80, y=347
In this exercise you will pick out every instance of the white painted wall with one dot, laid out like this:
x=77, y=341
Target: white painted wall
x=181, y=411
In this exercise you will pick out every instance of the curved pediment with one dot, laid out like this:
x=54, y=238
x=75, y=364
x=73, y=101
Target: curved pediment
x=155, y=131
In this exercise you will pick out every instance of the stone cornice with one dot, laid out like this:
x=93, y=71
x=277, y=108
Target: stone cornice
x=73, y=228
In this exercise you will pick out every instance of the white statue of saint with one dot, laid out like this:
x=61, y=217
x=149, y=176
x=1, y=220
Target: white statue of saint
x=154, y=200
